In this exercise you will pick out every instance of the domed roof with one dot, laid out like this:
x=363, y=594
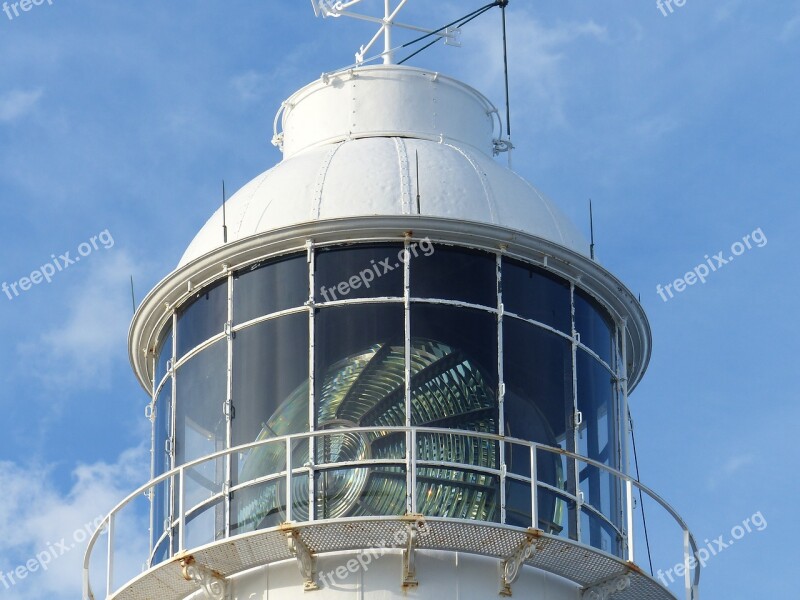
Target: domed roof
x=351, y=143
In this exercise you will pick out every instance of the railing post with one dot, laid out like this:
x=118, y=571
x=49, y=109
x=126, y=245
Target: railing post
x=629, y=514
x=182, y=509
x=413, y=490
x=687, y=555
x=110, y=566
x=289, y=479
x=534, y=489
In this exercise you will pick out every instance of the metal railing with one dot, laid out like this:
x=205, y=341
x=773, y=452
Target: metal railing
x=176, y=527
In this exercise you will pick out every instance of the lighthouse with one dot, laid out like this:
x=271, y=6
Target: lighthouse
x=388, y=367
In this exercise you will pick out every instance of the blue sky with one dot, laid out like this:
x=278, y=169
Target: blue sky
x=124, y=117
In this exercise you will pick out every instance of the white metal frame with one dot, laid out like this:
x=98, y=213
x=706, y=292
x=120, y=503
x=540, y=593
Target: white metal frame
x=689, y=547
x=332, y=8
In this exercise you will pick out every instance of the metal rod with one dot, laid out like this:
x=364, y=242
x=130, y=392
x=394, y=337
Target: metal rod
x=182, y=509
x=288, y=479
x=534, y=489
x=110, y=565
x=629, y=511
x=687, y=577
x=410, y=438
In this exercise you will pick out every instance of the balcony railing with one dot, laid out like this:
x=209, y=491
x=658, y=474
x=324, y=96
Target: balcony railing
x=297, y=490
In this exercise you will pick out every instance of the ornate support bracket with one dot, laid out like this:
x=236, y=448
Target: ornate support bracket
x=305, y=560
x=607, y=589
x=214, y=585
x=410, y=557
x=512, y=566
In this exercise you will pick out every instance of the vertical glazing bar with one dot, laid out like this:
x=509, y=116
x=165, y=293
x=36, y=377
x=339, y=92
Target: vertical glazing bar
x=573, y=467
x=622, y=386
x=501, y=391
x=534, y=489
x=629, y=521
x=173, y=432
x=151, y=493
x=311, y=260
x=288, y=451
x=227, y=474
x=687, y=556
x=182, y=509
x=110, y=565
x=411, y=501
x=414, y=471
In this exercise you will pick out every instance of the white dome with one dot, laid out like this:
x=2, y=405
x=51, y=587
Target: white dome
x=346, y=162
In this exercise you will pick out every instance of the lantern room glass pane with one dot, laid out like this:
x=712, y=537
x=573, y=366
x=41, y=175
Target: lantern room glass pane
x=201, y=430
x=269, y=287
x=594, y=325
x=536, y=294
x=538, y=403
x=270, y=399
x=448, y=273
x=364, y=271
x=204, y=318
x=598, y=440
x=161, y=464
x=454, y=368
x=537, y=369
x=201, y=392
x=270, y=376
x=360, y=368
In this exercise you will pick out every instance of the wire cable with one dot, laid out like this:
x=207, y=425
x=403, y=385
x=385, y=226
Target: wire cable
x=641, y=497
x=458, y=22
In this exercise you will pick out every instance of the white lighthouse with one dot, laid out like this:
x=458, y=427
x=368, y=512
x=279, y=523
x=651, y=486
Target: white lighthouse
x=388, y=368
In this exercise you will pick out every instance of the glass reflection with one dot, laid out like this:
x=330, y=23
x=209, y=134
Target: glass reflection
x=203, y=318
x=265, y=288
x=536, y=294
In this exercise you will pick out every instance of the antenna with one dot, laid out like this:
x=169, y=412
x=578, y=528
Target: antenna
x=224, y=223
x=591, y=229
x=419, y=210
x=503, y=4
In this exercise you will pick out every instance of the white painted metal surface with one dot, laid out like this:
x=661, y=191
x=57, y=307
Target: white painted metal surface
x=350, y=147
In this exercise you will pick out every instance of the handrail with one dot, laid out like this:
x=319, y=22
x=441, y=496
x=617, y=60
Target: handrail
x=691, y=582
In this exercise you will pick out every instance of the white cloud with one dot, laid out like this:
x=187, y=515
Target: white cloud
x=17, y=103
x=36, y=519
x=251, y=85
x=731, y=467
x=78, y=353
